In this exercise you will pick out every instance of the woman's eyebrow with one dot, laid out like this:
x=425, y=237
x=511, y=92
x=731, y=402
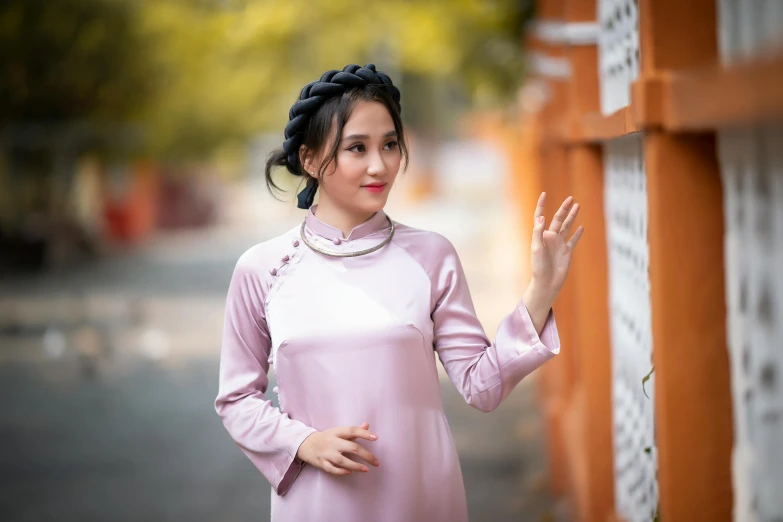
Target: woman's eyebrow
x=366, y=137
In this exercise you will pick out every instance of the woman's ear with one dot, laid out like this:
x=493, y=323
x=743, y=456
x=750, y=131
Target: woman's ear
x=306, y=159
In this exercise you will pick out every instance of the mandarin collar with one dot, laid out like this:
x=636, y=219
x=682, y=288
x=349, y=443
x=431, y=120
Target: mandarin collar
x=377, y=222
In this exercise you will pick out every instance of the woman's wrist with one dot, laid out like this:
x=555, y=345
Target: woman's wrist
x=538, y=300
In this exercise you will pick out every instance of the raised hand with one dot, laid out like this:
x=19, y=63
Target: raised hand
x=550, y=256
x=551, y=249
x=326, y=449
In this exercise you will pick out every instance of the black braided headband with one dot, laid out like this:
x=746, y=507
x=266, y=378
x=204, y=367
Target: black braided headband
x=314, y=94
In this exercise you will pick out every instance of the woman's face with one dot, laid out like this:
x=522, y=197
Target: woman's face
x=368, y=159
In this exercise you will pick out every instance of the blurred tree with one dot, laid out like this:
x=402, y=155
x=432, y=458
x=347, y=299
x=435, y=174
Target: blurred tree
x=195, y=73
x=71, y=60
x=73, y=74
x=235, y=66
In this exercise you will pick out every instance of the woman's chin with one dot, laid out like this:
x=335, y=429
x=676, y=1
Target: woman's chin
x=374, y=203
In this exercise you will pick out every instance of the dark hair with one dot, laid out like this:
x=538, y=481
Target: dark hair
x=327, y=104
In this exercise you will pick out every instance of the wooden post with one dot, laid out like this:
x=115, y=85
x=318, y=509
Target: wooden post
x=556, y=377
x=693, y=408
x=676, y=35
x=558, y=373
x=592, y=408
x=556, y=186
x=589, y=417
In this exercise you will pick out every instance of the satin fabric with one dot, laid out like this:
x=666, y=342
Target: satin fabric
x=352, y=340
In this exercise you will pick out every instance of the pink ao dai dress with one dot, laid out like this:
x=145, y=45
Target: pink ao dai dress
x=354, y=339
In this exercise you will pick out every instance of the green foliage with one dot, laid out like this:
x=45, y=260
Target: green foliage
x=645, y=379
x=70, y=59
x=198, y=73
x=656, y=515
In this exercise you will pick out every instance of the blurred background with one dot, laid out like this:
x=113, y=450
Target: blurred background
x=133, y=135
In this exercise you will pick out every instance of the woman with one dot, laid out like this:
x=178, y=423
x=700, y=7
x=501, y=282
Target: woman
x=350, y=308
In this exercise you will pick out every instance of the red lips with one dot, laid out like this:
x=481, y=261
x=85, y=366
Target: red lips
x=375, y=187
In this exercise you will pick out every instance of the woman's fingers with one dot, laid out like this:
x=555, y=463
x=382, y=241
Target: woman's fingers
x=537, y=240
x=575, y=238
x=360, y=451
x=539, y=212
x=560, y=215
x=344, y=462
x=334, y=470
x=345, y=435
x=569, y=221
x=357, y=432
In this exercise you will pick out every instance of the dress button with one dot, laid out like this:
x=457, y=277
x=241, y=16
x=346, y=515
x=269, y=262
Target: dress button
x=286, y=258
x=273, y=271
x=337, y=241
x=274, y=390
x=296, y=242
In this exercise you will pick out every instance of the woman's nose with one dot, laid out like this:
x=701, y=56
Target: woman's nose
x=377, y=165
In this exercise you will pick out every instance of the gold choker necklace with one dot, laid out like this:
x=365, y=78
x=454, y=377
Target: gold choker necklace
x=347, y=254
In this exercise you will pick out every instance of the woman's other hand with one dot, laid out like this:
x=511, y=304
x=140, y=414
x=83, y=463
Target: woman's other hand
x=327, y=450
x=550, y=257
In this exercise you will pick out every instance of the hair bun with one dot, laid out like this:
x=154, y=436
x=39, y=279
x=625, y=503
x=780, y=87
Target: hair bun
x=314, y=94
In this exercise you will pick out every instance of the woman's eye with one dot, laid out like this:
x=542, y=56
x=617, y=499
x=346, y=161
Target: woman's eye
x=359, y=147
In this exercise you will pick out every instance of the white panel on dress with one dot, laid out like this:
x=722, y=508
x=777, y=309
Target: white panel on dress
x=752, y=173
x=749, y=28
x=625, y=193
x=618, y=51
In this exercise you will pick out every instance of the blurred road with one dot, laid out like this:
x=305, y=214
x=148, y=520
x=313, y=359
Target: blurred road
x=108, y=375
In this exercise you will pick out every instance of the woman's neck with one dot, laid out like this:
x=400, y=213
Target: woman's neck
x=339, y=218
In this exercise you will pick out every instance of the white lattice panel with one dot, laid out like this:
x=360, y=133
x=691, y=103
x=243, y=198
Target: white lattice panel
x=747, y=28
x=625, y=193
x=618, y=51
x=752, y=172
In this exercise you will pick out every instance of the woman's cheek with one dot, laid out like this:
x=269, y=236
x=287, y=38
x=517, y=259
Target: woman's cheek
x=396, y=162
x=346, y=164
x=353, y=171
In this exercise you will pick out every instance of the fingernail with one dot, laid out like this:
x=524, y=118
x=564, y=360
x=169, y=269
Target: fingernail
x=377, y=462
x=373, y=436
x=364, y=468
x=541, y=220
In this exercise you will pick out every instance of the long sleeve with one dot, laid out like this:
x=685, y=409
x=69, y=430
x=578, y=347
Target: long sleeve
x=484, y=372
x=269, y=437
